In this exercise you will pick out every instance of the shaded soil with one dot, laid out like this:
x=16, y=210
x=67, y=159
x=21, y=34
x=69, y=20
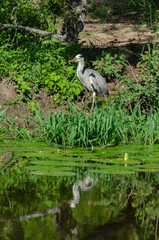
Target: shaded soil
x=120, y=34
x=117, y=37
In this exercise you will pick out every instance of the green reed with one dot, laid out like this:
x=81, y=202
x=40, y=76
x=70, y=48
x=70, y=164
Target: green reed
x=100, y=127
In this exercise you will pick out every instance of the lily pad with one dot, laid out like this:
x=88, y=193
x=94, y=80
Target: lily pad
x=110, y=171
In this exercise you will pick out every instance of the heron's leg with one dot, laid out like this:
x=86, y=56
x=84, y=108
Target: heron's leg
x=94, y=94
x=83, y=104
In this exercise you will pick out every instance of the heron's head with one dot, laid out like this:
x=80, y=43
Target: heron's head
x=78, y=58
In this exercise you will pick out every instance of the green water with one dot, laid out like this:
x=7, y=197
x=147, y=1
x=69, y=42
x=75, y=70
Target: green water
x=50, y=192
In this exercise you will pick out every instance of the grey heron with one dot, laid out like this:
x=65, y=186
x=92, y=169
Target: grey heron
x=91, y=80
x=84, y=185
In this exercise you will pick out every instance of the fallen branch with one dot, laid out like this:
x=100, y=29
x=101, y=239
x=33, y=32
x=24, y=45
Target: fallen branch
x=32, y=215
x=33, y=30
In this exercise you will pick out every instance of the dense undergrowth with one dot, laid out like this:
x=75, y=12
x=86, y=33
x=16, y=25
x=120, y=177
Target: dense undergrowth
x=34, y=63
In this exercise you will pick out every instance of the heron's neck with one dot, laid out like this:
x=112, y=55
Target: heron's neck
x=80, y=68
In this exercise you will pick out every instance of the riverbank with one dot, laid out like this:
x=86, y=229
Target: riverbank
x=105, y=126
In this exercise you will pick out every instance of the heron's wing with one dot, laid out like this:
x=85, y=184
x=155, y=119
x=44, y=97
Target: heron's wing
x=95, y=82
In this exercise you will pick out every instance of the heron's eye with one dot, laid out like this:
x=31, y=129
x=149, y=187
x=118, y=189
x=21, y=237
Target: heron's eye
x=78, y=57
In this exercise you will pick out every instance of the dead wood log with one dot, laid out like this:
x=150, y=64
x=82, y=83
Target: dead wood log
x=33, y=30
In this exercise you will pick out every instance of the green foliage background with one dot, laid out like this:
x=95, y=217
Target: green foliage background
x=141, y=10
x=34, y=62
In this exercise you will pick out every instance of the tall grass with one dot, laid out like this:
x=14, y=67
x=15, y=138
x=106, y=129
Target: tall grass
x=78, y=128
x=101, y=127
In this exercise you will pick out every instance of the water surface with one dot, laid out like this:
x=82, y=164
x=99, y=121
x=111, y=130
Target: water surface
x=50, y=192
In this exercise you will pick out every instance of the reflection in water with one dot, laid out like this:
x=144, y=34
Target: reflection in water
x=63, y=219
x=119, y=207
x=84, y=185
x=65, y=223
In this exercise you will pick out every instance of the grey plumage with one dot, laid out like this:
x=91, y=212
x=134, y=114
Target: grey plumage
x=90, y=79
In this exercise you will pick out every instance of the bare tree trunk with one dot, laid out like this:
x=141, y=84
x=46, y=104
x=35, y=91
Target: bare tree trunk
x=73, y=23
x=75, y=14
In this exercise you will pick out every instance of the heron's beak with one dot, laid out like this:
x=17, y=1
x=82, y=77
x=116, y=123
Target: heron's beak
x=72, y=60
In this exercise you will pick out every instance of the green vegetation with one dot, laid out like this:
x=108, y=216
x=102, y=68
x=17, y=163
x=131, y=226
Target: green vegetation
x=40, y=14
x=34, y=144
x=110, y=66
x=143, y=10
x=41, y=63
x=41, y=159
x=102, y=127
x=145, y=87
x=36, y=62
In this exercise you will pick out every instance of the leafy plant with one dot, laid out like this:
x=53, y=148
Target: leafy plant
x=109, y=66
x=41, y=64
x=28, y=13
x=145, y=88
